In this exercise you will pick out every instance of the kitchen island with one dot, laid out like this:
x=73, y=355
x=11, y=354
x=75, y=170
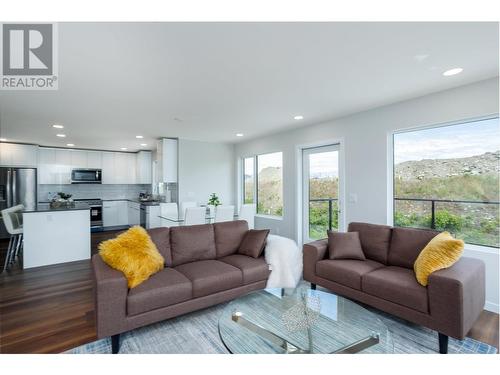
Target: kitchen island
x=56, y=235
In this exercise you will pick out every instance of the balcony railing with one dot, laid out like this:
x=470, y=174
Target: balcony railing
x=317, y=216
x=476, y=226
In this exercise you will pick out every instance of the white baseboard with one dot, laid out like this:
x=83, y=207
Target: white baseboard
x=490, y=306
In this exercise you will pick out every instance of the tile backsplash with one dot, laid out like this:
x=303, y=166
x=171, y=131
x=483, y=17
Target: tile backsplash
x=81, y=191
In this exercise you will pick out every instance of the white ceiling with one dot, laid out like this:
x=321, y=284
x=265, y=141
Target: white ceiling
x=209, y=81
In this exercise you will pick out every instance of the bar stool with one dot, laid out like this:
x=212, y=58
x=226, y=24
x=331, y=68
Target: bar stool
x=13, y=223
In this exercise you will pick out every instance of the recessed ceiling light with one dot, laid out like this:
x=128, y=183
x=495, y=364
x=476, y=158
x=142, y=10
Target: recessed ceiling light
x=3, y=139
x=70, y=144
x=144, y=144
x=298, y=117
x=139, y=136
x=58, y=126
x=61, y=135
x=123, y=148
x=452, y=72
x=239, y=134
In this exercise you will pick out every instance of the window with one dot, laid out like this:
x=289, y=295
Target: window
x=249, y=180
x=266, y=191
x=447, y=178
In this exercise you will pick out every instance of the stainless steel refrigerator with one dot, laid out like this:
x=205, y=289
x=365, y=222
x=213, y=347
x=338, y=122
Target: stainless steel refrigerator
x=17, y=186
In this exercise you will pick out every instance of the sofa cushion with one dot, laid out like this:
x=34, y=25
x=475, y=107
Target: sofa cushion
x=228, y=236
x=253, y=269
x=134, y=254
x=211, y=276
x=344, y=246
x=406, y=244
x=164, y=288
x=441, y=252
x=345, y=271
x=374, y=239
x=398, y=285
x=254, y=242
x=161, y=238
x=191, y=243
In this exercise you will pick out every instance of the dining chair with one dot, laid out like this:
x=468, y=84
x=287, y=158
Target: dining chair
x=195, y=215
x=169, y=210
x=224, y=213
x=185, y=205
x=247, y=212
x=13, y=223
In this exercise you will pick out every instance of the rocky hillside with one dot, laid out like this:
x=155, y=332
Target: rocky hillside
x=488, y=163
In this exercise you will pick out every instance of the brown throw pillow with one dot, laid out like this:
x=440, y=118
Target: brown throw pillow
x=253, y=243
x=345, y=246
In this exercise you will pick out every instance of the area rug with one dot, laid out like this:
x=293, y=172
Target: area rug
x=197, y=333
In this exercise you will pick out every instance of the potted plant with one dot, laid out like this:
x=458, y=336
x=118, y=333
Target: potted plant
x=213, y=202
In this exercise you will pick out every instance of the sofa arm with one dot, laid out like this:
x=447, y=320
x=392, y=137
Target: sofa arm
x=313, y=252
x=457, y=296
x=110, y=298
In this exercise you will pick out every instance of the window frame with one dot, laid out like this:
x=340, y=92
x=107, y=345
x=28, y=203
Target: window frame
x=391, y=156
x=256, y=183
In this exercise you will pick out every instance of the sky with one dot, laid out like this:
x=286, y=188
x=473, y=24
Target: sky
x=456, y=141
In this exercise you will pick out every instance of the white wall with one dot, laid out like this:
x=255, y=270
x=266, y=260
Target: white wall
x=366, y=145
x=206, y=168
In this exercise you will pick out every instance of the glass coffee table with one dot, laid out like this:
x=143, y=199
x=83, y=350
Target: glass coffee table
x=301, y=320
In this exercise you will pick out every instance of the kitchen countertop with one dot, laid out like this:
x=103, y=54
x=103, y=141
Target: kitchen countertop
x=45, y=207
x=135, y=200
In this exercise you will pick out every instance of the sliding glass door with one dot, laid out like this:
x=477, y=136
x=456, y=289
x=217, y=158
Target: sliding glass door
x=321, y=181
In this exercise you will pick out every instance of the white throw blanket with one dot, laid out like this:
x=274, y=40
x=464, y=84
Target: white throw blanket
x=285, y=260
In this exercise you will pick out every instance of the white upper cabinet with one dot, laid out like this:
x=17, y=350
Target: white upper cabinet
x=166, y=164
x=108, y=167
x=121, y=174
x=55, y=165
x=16, y=155
x=94, y=159
x=78, y=159
x=143, y=167
x=63, y=166
x=47, y=166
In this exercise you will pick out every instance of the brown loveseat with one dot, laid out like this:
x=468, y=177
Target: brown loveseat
x=450, y=304
x=202, y=269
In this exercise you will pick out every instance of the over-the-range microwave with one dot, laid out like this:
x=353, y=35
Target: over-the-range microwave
x=86, y=176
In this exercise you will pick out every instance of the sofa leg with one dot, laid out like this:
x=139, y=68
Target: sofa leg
x=115, y=344
x=443, y=343
x=313, y=286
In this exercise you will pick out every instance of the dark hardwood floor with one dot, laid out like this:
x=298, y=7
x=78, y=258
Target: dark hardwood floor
x=50, y=309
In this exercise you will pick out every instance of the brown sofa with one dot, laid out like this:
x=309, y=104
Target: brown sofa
x=202, y=269
x=450, y=304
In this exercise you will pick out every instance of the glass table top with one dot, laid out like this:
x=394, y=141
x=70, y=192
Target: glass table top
x=301, y=321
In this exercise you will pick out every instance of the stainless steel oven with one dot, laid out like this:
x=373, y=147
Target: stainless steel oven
x=86, y=176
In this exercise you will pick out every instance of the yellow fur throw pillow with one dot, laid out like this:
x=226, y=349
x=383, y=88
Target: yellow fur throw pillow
x=441, y=252
x=133, y=253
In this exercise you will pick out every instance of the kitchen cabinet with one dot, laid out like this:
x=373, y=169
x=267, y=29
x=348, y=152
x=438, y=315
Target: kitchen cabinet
x=55, y=165
x=134, y=213
x=94, y=159
x=46, y=166
x=108, y=167
x=78, y=159
x=63, y=167
x=166, y=160
x=109, y=214
x=17, y=155
x=152, y=217
x=114, y=213
x=143, y=167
